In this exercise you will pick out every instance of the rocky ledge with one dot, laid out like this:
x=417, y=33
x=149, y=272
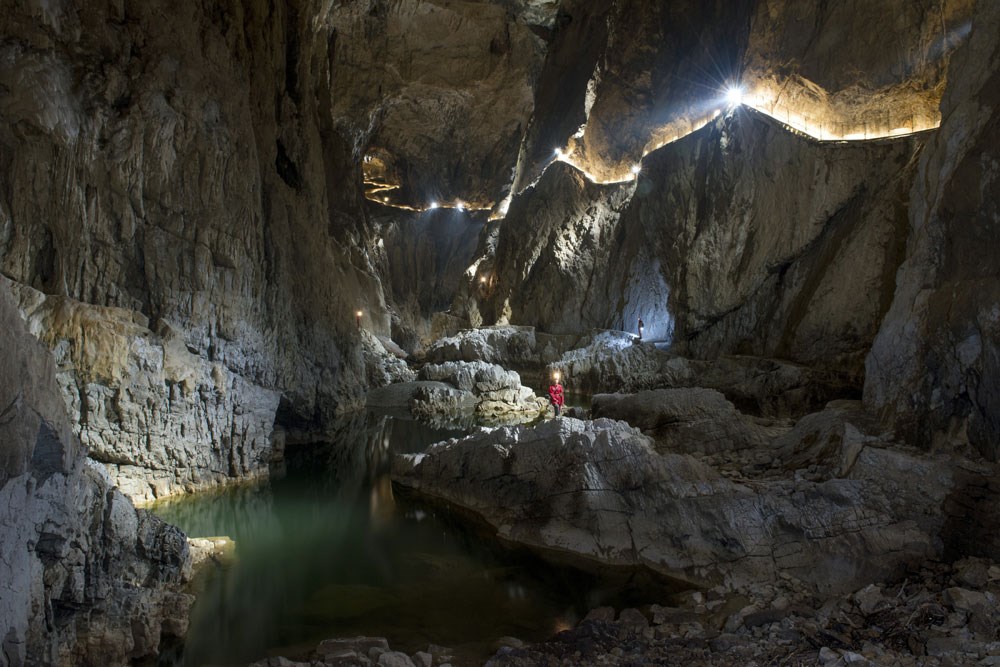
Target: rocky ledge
x=457, y=389
x=599, y=492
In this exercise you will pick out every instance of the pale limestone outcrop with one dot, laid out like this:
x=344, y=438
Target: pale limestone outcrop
x=162, y=419
x=497, y=391
x=85, y=579
x=934, y=368
x=599, y=491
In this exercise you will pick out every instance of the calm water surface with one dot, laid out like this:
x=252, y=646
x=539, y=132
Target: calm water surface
x=326, y=550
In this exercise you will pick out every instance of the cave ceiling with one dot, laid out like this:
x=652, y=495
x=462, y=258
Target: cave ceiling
x=463, y=103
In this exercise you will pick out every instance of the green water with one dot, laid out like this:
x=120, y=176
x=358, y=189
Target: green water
x=324, y=549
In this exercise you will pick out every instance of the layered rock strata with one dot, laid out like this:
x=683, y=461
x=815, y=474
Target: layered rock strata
x=599, y=491
x=85, y=579
x=612, y=363
x=498, y=391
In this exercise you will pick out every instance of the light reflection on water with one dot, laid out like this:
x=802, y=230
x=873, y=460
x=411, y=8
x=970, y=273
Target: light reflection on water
x=325, y=550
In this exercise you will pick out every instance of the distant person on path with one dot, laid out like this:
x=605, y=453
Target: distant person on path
x=640, y=328
x=556, y=394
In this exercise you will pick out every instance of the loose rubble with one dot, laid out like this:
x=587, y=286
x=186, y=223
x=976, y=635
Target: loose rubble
x=935, y=616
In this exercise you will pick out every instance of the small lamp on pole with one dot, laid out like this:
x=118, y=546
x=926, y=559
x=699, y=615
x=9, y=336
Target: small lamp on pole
x=358, y=315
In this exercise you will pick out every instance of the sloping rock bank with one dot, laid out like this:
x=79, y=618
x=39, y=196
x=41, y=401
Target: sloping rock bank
x=598, y=491
x=85, y=579
x=685, y=420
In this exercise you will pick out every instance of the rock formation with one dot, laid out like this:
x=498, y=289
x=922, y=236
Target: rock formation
x=228, y=222
x=175, y=180
x=456, y=389
x=85, y=579
x=598, y=490
x=934, y=367
x=684, y=420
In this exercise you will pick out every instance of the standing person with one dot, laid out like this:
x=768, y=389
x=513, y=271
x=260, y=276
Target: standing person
x=640, y=328
x=556, y=394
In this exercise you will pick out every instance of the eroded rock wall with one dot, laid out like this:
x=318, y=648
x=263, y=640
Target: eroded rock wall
x=741, y=238
x=85, y=579
x=934, y=370
x=177, y=168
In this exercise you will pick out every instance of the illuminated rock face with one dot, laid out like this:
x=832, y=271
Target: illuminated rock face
x=935, y=366
x=741, y=238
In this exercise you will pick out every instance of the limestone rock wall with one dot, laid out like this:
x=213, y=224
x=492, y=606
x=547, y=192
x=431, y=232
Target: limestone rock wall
x=85, y=579
x=934, y=368
x=741, y=238
x=177, y=168
x=162, y=419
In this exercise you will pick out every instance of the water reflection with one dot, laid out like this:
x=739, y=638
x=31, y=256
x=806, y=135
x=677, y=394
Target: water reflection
x=326, y=550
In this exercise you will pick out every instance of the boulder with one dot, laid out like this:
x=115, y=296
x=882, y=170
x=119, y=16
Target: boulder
x=497, y=391
x=830, y=440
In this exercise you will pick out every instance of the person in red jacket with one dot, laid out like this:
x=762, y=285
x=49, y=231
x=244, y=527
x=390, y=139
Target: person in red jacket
x=556, y=394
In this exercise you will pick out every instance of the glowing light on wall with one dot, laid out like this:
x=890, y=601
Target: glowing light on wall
x=810, y=116
x=734, y=96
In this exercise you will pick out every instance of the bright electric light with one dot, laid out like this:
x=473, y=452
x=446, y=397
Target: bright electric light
x=434, y=204
x=636, y=169
x=460, y=206
x=359, y=313
x=734, y=96
x=559, y=152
